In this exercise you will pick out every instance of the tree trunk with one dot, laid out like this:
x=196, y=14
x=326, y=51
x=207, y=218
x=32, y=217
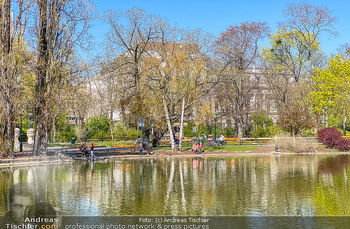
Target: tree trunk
x=7, y=86
x=111, y=129
x=8, y=131
x=240, y=129
x=240, y=108
x=169, y=125
x=40, y=132
x=54, y=129
x=182, y=123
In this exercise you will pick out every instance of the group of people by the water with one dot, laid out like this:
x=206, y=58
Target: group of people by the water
x=144, y=145
x=197, y=146
x=85, y=150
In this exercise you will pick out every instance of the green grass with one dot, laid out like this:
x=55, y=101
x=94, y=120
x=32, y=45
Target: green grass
x=229, y=148
x=107, y=144
x=233, y=148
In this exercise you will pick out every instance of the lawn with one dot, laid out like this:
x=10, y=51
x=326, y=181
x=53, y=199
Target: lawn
x=231, y=148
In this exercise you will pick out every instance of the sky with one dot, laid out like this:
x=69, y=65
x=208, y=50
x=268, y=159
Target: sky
x=215, y=16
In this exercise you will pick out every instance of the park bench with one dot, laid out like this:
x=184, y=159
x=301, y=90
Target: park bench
x=123, y=149
x=233, y=140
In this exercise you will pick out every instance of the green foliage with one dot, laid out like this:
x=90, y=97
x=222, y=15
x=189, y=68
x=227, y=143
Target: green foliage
x=96, y=126
x=287, y=50
x=332, y=90
x=260, y=118
x=335, y=120
x=228, y=131
x=122, y=131
x=188, y=130
x=65, y=131
x=263, y=125
x=207, y=130
x=204, y=129
x=308, y=133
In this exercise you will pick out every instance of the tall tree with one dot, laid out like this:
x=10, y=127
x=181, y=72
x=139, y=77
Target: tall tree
x=306, y=22
x=129, y=37
x=62, y=27
x=331, y=89
x=294, y=52
x=237, y=50
x=154, y=67
x=12, y=52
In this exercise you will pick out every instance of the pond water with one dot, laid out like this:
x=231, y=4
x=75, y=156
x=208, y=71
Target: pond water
x=286, y=185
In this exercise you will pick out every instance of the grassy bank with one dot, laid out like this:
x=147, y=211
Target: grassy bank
x=233, y=148
x=229, y=148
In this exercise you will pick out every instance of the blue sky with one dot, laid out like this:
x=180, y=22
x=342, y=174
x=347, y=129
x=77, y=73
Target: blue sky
x=216, y=15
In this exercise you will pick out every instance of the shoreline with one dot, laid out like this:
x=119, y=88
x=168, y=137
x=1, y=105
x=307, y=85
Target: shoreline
x=266, y=150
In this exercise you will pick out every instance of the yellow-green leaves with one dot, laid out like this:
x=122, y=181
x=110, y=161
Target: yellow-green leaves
x=331, y=86
x=288, y=52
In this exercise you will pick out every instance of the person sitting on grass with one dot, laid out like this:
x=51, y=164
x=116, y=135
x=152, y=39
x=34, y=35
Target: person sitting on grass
x=195, y=147
x=276, y=149
x=201, y=147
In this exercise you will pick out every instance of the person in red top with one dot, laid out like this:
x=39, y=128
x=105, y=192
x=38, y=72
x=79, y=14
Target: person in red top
x=92, y=147
x=201, y=147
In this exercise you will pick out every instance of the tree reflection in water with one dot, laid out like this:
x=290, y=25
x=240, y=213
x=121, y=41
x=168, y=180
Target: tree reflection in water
x=241, y=185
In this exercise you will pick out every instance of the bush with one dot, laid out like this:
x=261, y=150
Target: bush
x=329, y=137
x=343, y=144
x=123, y=132
x=308, y=133
x=228, y=131
x=296, y=145
x=263, y=125
x=65, y=134
x=98, y=126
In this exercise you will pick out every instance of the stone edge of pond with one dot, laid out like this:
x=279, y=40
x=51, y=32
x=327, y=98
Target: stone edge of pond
x=57, y=159
x=32, y=161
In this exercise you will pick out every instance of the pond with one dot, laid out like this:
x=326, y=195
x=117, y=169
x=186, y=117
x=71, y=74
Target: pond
x=269, y=185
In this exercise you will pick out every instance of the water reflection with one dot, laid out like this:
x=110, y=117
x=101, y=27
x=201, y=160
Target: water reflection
x=266, y=185
x=334, y=165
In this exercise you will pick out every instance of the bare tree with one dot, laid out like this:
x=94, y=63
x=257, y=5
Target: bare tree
x=130, y=34
x=237, y=50
x=62, y=27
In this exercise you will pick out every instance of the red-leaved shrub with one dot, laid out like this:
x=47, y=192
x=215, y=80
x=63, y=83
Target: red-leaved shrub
x=343, y=144
x=329, y=137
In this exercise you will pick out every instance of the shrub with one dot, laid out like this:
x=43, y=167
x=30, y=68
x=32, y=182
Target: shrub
x=308, y=133
x=296, y=145
x=343, y=144
x=263, y=125
x=97, y=126
x=65, y=134
x=123, y=132
x=332, y=138
x=228, y=131
x=329, y=137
